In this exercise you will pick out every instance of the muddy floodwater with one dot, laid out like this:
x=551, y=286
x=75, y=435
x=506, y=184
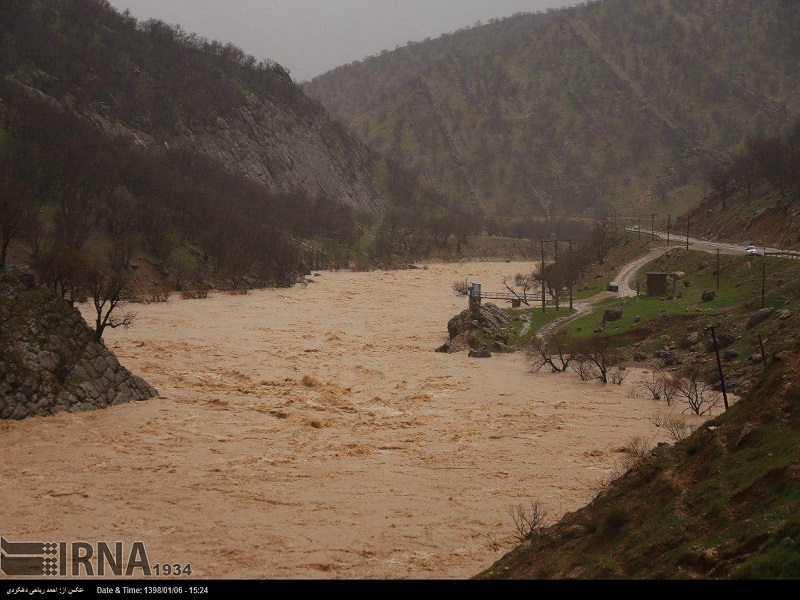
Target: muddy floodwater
x=313, y=433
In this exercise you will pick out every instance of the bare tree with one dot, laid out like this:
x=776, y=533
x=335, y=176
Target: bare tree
x=555, y=354
x=668, y=389
x=108, y=289
x=658, y=420
x=596, y=359
x=461, y=288
x=75, y=215
x=636, y=449
x=693, y=390
x=583, y=367
x=618, y=375
x=652, y=386
x=527, y=523
x=677, y=427
x=520, y=286
x=64, y=270
x=721, y=179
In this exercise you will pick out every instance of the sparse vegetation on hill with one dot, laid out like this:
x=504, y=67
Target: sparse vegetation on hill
x=722, y=503
x=755, y=194
x=617, y=102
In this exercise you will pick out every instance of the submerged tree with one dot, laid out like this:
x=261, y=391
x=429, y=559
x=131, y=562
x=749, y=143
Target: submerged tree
x=108, y=289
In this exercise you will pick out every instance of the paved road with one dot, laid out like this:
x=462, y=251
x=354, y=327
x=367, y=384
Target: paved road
x=704, y=245
x=625, y=276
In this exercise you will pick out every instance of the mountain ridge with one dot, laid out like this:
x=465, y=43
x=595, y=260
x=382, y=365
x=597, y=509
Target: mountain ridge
x=603, y=104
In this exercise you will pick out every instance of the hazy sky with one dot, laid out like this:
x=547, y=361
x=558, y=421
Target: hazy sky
x=310, y=37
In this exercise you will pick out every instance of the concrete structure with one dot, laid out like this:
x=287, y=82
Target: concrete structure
x=656, y=284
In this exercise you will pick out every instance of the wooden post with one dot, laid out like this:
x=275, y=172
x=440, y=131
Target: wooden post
x=763, y=354
x=717, y=268
x=687, y=232
x=719, y=366
x=571, y=276
x=763, y=281
x=653, y=225
x=639, y=228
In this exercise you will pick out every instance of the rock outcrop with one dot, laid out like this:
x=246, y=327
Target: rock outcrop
x=467, y=328
x=273, y=145
x=759, y=317
x=612, y=314
x=49, y=361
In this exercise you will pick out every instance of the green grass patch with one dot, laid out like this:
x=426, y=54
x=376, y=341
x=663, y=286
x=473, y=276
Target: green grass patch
x=523, y=331
x=738, y=295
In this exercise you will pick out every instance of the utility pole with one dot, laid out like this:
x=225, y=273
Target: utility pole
x=555, y=272
x=544, y=306
x=571, y=276
x=687, y=231
x=669, y=225
x=719, y=366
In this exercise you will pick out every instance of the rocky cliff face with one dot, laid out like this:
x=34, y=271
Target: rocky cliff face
x=273, y=146
x=161, y=86
x=49, y=361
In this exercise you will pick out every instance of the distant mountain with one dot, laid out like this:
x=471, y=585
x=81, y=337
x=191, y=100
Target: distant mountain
x=615, y=102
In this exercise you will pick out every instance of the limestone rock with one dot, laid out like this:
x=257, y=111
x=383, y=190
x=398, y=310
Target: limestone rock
x=759, y=317
x=691, y=339
x=480, y=353
x=51, y=362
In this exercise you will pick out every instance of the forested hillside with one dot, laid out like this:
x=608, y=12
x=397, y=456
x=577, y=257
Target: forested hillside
x=616, y=102
x=755, y=195
x=124, y=140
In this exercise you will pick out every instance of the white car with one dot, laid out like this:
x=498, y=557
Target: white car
x=752, y=251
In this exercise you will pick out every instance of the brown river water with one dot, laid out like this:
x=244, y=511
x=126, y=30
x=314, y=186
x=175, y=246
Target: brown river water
x=313, y=433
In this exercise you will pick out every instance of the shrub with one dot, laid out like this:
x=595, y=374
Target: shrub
x=528, y=522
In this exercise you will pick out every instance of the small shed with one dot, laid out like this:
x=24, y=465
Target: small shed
x=656, y=284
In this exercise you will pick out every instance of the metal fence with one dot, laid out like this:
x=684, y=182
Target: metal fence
x=792, y=255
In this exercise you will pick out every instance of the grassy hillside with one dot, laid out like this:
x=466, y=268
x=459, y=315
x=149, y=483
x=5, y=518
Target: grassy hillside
x=616, y=102
x=671, y=330
x=723, y=503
